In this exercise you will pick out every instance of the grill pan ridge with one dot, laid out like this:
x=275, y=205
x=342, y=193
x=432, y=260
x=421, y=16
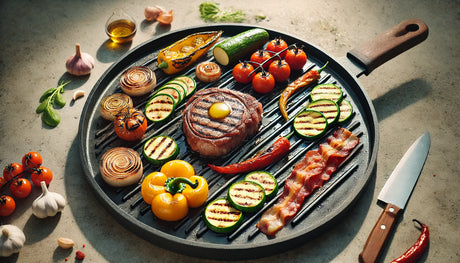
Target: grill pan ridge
x=190, y=236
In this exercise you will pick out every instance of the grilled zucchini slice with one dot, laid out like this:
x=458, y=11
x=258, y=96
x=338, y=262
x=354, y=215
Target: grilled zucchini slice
x=159, y=107
x=346, y=110
x=180, y=85
x=160, y=149
x=191, y=84
x=310, y=124
x=221, y=217
x=246, y=196
x=174, y=92
x=266, y=180
x=329, y=108
x=326, y=91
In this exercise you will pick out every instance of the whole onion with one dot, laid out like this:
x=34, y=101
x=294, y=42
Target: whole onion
x=138, y=81
x=112, y=104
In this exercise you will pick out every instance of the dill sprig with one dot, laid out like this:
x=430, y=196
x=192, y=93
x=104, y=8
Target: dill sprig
x=210, y=12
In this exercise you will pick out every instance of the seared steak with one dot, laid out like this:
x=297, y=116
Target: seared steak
x=217, y=137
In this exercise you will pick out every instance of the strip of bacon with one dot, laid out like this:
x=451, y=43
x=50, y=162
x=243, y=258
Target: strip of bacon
x=315, y=168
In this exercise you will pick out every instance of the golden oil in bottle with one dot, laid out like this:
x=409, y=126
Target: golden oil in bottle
x=121, y=30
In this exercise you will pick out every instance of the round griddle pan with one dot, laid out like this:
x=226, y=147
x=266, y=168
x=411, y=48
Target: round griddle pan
x=190, y=236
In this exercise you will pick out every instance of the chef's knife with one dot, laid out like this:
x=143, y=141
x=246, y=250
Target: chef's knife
x=395, y=194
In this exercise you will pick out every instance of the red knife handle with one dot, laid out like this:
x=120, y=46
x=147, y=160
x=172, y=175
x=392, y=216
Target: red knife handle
x=380, y=234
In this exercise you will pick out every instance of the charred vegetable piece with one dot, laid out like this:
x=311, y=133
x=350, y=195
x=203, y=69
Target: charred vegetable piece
x=266, y=180
x=221, y=217
x=326, y=91
x=186, y=51
x=246, y=196
x=180, y=86
x=173, y=92
x=191, y=84
x=328, y=108
x=232, y=49
x=160, y=149
x=310, y=124
x=272, y=154
x=346, y=110
x=159, y=107
x=306, y=79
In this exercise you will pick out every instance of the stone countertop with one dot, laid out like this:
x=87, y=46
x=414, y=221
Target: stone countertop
x=413, y=93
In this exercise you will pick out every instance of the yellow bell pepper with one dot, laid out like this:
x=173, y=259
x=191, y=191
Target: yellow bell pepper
x=186, y=51
x=170, y=198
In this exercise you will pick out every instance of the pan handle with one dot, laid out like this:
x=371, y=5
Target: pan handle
x=388, y=45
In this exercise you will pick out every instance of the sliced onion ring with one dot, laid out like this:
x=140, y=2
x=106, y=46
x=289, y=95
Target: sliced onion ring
x=208, y=71
x=112, y=104
x=121, y=166
x=138, y=81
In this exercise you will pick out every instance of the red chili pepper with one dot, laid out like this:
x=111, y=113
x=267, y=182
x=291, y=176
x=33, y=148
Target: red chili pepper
x=307, y=78
x=416, y=250
x=274, y=153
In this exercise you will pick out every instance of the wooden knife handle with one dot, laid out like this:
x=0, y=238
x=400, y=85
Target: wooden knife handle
x=380, y=234
x=389, y=44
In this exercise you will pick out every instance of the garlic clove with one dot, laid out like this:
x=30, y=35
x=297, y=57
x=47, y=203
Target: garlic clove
x=80, y=64
x=165, y=18
x=151, y=13
x=78, y=94
x=65, y=243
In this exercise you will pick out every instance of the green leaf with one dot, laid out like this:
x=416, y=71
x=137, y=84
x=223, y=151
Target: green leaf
x=46, y=94
x=60, y=99
x=42, y=106
x=51, y=117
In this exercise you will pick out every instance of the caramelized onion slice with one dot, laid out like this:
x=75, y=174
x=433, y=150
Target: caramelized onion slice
x=121, y=166
x=112, y=104
x=138, y=81
x=208, y=71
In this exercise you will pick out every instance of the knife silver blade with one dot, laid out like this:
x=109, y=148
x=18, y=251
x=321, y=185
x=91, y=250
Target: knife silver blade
x=402, y=180
x=395, y=194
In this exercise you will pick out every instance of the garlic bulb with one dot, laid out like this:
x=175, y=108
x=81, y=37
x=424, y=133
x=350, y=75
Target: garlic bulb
x=12, y=239
x=48, y=203
x=80, y=64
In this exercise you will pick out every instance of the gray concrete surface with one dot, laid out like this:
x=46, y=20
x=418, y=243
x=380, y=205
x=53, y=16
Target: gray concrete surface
x=413, y=93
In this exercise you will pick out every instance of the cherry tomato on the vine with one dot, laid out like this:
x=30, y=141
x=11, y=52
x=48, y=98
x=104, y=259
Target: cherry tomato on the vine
x=41, y=174
x=263, y=82
x=296, y=58
x=7, y=205
x=260, y=56
x=241, y=72
x=130, y=124
x=280, y=70
x=21, y=187
x=2, y=181
x=276, y=45
x=11, y=170
x=31, y=160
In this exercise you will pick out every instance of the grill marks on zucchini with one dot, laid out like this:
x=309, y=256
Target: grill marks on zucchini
x=310, y=124
x=160, y=149
x=159, y=107
x=326, y=91
x=329, y=109
x=346, y=110
x=246, y=196
x=221, y=217
x=266, y=180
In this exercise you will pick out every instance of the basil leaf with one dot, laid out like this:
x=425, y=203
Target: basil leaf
x=42, y=106
x=51, y=117
x=46, y=94
x=60, y=99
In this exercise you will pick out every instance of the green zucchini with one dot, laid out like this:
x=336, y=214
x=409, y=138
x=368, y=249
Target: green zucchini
x=221, y=217
x=329, y=108
x=174, y=92
x=310, y=124
x=160, y=149
x=246, y=196
x=191, y=84
x=233, y=49
x=346, y=110
x=326, y=91
x=159, y=107
x=179, y=85
x=266, y=180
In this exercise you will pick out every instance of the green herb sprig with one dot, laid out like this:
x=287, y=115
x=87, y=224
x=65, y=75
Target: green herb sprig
x=51, y=98
x=210, y=12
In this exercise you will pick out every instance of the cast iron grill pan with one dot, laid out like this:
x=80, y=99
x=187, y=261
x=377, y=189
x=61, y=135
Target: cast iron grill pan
x=190, y=236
